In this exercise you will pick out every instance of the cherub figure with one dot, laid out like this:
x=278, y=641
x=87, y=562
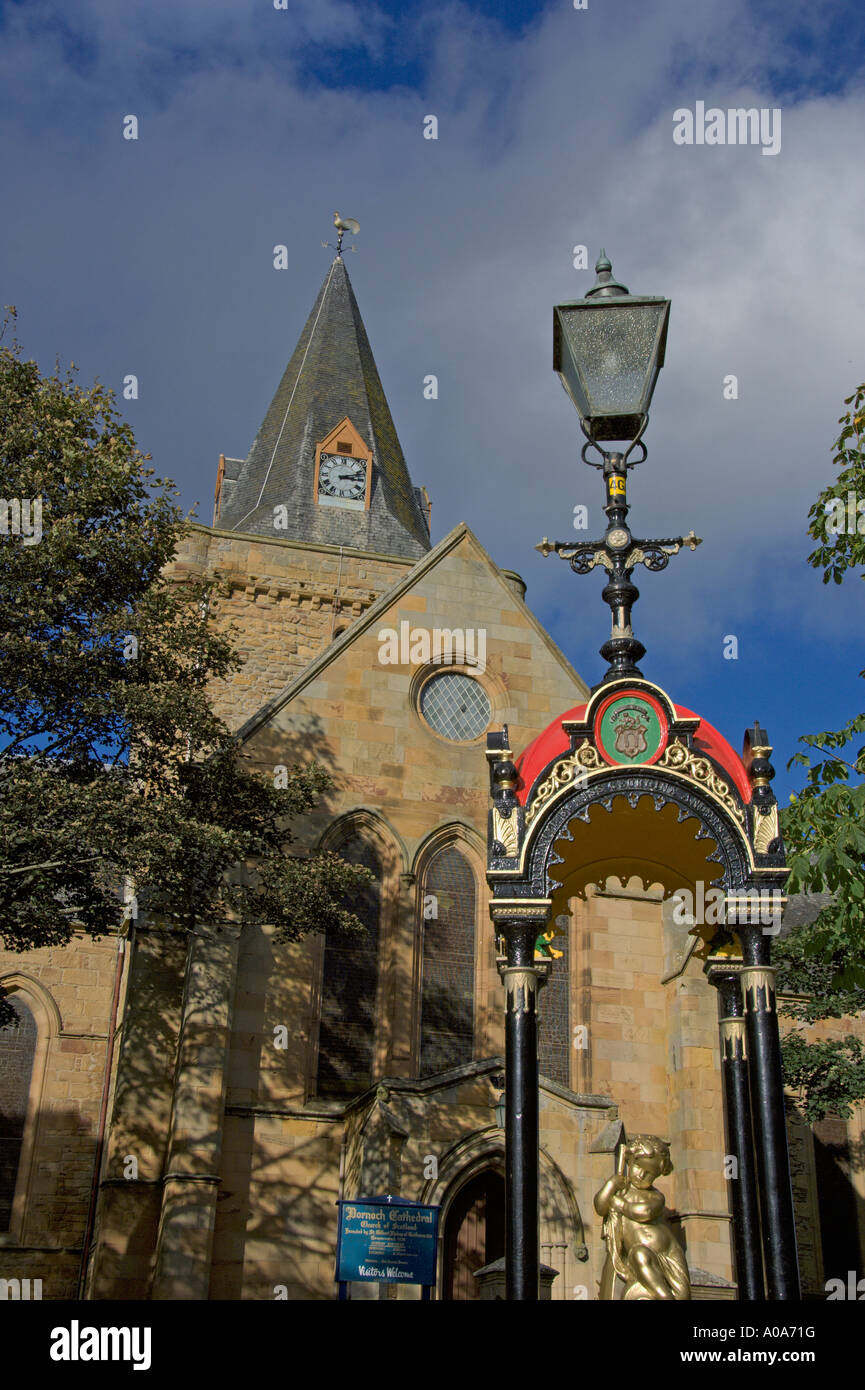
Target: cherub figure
x=641, y=1246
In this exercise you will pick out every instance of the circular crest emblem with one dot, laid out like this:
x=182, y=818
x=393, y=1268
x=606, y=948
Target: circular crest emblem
x=630, y=728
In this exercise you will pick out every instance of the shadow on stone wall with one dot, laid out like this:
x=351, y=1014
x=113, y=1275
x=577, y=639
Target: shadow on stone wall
x=58, y=1197
x=175, y=1075
x=842, y=1209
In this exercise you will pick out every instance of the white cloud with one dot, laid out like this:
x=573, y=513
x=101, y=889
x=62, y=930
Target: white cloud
x=155, y=256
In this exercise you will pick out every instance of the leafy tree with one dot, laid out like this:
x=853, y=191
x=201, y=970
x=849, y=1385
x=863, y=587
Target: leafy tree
x=829, y=1077
x=824, y=828
x=115, y=773
x=812, y=981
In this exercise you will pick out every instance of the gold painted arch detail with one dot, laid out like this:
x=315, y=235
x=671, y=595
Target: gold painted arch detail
x=676, y=758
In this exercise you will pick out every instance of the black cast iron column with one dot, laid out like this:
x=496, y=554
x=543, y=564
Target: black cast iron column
x=770, y=1125
x=522, y=1248
x=747, y=1252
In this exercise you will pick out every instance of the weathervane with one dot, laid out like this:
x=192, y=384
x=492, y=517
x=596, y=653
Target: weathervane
x=343, y=225
x=608, y=349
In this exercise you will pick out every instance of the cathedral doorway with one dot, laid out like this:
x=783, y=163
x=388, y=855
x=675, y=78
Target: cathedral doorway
x=474, y=1234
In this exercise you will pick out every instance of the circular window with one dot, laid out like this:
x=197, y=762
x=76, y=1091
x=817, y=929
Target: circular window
x=456, y=706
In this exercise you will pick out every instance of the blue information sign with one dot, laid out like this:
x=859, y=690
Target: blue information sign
x=389, y=1239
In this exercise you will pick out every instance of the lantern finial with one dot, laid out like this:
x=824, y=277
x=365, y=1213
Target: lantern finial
x=605, y=285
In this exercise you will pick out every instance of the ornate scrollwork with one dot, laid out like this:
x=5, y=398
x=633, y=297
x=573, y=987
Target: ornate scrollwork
x=585, y=759
x=588, y=757
x=679, y=758
x=585, y=557
x=655, y=555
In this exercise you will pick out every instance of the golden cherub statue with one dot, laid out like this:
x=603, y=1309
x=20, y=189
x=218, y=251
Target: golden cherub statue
x=642, y=1249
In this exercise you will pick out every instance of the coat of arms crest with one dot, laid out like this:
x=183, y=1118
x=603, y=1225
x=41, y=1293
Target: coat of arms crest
x=630, y=724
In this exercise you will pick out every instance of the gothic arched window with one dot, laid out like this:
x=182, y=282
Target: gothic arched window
x=17, y=1052
x=346, y=1037
x=448, y=971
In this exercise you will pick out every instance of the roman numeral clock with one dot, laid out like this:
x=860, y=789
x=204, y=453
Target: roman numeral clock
x=343, y=469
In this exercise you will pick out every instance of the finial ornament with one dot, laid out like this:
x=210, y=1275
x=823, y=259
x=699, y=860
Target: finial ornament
x=755, y=755
x=605, y=286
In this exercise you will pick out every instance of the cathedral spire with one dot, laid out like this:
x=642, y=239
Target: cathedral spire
x=331, y=381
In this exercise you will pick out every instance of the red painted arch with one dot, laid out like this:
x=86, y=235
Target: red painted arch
x=554, y=741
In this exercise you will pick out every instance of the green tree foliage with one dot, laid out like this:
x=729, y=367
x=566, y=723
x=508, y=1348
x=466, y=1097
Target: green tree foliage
x=828, y=1077
x=824, y=828
x=116, y=776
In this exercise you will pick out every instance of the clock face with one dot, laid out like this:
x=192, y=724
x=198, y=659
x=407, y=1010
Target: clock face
x=342, y=477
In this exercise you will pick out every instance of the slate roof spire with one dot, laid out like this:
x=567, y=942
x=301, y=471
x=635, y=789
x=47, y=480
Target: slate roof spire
x=331, y=375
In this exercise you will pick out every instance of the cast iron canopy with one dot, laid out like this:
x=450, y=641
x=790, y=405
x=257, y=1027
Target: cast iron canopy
x=608, y=349
x=534, y=762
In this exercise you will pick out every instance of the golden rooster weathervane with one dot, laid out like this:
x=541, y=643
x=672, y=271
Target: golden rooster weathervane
x=343, y=225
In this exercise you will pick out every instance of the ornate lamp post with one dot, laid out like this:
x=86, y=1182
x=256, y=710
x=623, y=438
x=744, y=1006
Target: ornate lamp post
x=608, y=350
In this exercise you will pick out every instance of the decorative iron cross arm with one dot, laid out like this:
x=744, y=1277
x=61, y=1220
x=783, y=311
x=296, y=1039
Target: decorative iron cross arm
x=655, y=555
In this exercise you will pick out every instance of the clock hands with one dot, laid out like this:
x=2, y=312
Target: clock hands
x=343, y=479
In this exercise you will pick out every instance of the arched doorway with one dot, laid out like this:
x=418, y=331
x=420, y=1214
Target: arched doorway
x=474, y=1234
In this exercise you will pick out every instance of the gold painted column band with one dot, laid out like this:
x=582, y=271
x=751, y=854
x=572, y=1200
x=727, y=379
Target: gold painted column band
x=521, y=989
x=734, y=1047
x=758, y=986
x=520, y=909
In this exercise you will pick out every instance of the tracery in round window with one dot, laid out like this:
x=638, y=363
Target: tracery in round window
x=456, y=706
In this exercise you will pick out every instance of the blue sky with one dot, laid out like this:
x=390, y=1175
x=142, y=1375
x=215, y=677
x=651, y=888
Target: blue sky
x=555, y=130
